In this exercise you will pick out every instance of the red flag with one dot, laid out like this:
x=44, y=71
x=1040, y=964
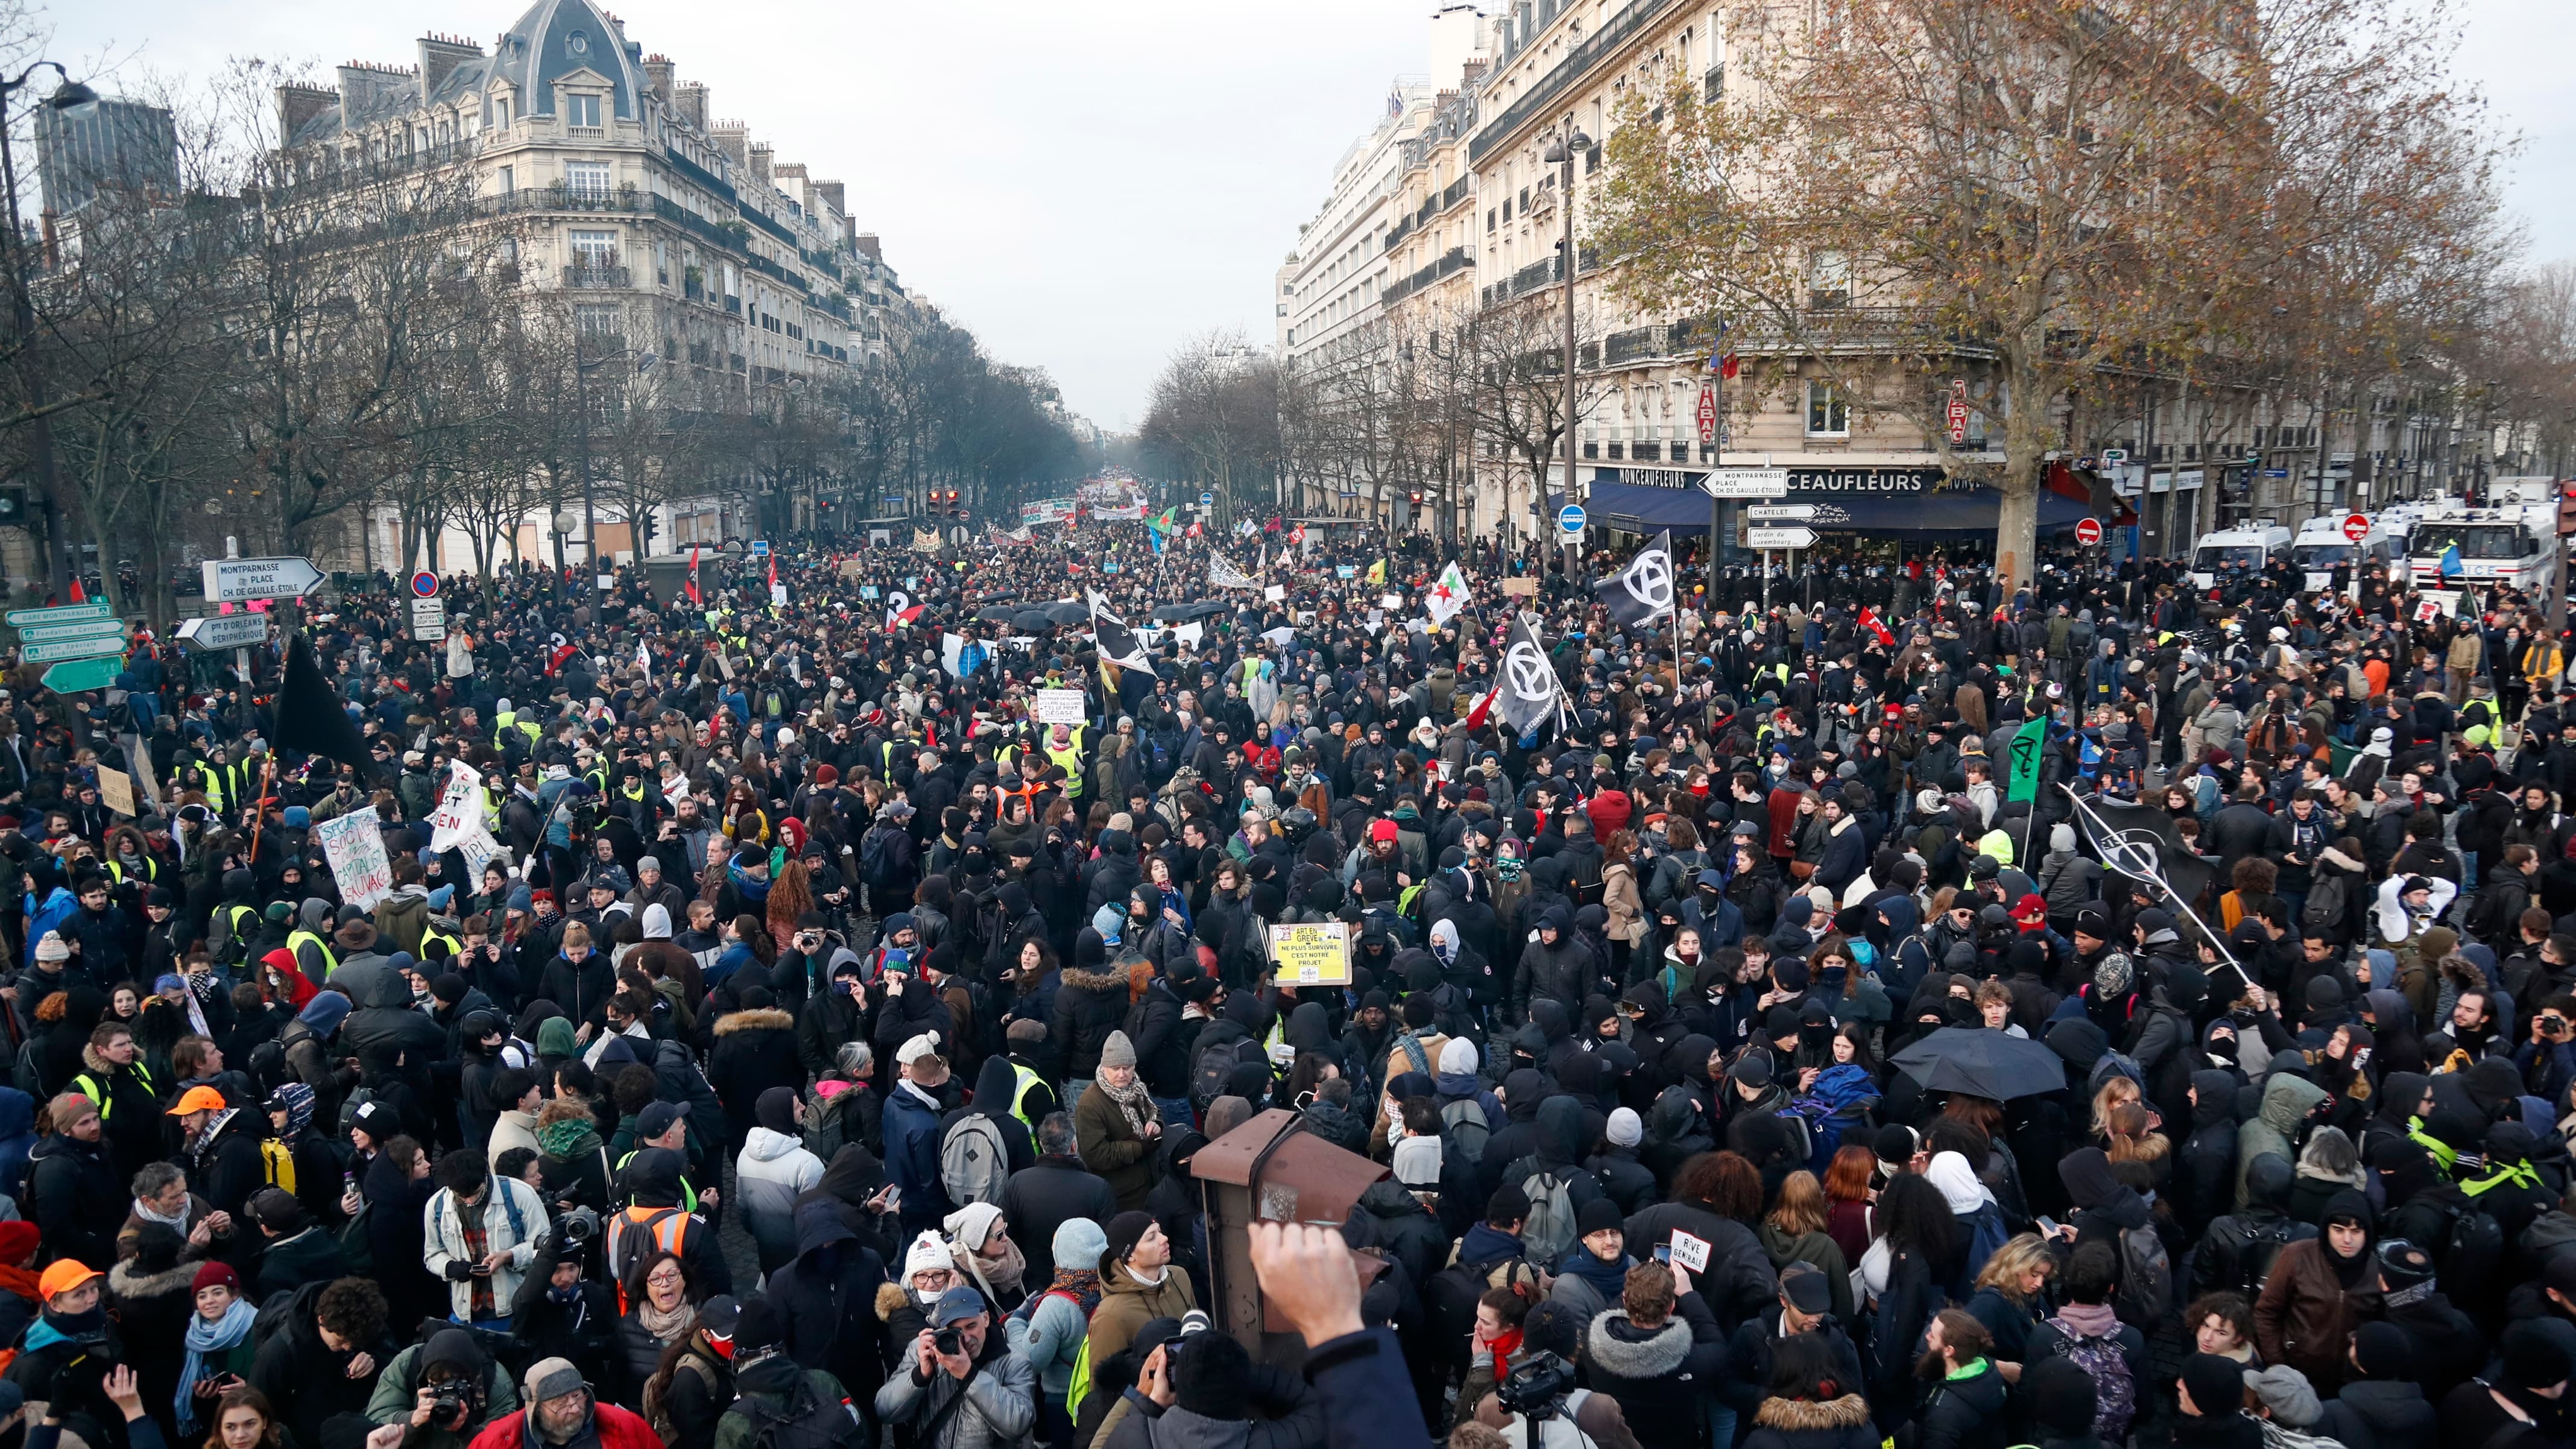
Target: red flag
x=693, y=577
x=1476, y=716
x=77, y=596
x=773, y=570
x=1729, y=365
x=1869, y=621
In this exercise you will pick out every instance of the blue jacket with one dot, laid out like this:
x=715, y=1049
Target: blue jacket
x=44, y=916
x=912, y=1138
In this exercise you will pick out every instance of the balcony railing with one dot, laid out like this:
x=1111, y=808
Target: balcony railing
x=698, y=173
x=1542, y=97
x=1456, y=193
x=596, y=277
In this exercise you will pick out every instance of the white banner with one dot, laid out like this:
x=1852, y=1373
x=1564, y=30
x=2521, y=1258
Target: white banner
x=460, y=806
x=355, y=845
x=1060, y=706
x=1223, y=573
x=1119, y=513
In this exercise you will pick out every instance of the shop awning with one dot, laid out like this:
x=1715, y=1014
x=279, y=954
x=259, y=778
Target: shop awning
x=1845, y=503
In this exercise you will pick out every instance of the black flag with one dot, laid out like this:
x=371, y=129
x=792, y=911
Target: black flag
x=2139, y=842
x=311, y=716
x=1525, y=688
x=1643, y=591
x=1118, y=643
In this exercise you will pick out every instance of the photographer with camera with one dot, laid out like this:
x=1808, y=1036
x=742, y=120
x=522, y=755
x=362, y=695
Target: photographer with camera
x=442, y=1391
x=965, y=1387
x=1537, y=1403
x=562, y=1310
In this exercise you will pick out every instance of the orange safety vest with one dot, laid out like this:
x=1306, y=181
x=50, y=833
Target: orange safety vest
x=664, y=1225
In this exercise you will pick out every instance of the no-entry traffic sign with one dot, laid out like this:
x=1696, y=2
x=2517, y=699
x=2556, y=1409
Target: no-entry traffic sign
x=2088, y=531
x=2356, y=527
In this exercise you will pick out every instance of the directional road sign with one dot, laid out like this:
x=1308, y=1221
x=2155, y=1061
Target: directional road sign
x=1569, y=519
x=240, y=580
x=1746, y=483
x=105, y=647
x=1780, y=512
x=2356, y=527
x=760, y=548
x=424, y=585
x=68, y=613
x=110, y=631
x=1788, y=537
x=217, y=632
x=429, y=620
x=2088, y=531
x=2113, y=457
x=80, y=674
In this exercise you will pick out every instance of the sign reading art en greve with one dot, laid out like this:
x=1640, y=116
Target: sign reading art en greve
x=1315, y=954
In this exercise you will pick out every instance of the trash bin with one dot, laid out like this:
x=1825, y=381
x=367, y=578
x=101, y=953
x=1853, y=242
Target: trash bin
x=1270, y=1169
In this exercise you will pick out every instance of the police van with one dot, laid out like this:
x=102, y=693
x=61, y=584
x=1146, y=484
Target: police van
x=2320, y=548
x=2236, y=551
x=2512, y=545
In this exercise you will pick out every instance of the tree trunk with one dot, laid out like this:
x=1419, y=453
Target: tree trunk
x=2017, y=513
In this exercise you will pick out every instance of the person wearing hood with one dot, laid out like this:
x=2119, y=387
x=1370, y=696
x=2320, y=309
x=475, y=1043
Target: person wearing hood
x=449, y=1361
x=2288, y=1100
x=2382, y=1404
x=755, y=1053
x=2206, y=1165
x=2521, y=1403
x=771, y=1386
x=1560, y=1135
x=1555, y=966
x=2307, y=1311
x=1462, y=964
x=829, y=1296
x=2237, y=1249
x=773, y=1170
x=1090, y=1006
x=2105, y=1207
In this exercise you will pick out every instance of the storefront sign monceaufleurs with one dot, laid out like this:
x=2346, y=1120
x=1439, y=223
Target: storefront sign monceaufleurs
x=1805, y=482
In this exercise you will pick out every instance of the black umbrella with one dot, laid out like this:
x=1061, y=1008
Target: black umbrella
x=993, y=614
x=1184, y=613
x=1032, y=621
x=1067, y=612
x=1991, y=1064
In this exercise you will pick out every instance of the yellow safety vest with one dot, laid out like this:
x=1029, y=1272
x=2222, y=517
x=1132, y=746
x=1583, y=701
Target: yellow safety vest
x=431, y=933
x=96, y=1090
x=295, y=940
x=688, y=1194
x=151, y=871
x=1026, y=1079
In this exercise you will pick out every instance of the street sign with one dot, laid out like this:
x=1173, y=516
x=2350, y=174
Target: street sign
x=1207, y=500
x=1791, y=536
x=1569, y=519
x=80, y=674
x=2114, y=457
x=68, y=613
x=429, y=620
x=2088, y=531
x=2356, y=527
x=1746, y=483
x=1780, y=512
x=109, y=631
x=1708, y=412
x=2276, y=472
x=760, y=548
x=73, y=649
x=424, y=585
x=217, y=632
x=240, y=580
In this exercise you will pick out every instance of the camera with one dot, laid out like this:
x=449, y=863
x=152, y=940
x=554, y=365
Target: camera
x=1537, y=1388
x=446, y=1403
x=948, y=1342
x=575, y=1230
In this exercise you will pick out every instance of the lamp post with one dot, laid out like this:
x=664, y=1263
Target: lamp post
x=71, y=98
x=1562, y=151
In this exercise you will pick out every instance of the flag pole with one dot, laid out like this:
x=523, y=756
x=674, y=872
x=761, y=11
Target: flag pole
x=2155, y=877
x=267, y=770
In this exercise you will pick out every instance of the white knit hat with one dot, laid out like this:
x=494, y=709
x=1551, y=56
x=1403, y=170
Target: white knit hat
x=927, y=1252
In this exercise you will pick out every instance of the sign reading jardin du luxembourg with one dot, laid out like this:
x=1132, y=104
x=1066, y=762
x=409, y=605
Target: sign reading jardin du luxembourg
x=1809, y=485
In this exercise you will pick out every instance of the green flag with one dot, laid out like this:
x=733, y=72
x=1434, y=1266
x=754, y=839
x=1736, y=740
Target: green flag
x=2027, y=747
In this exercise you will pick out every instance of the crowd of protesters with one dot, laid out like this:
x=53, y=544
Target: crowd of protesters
x=801, y=1043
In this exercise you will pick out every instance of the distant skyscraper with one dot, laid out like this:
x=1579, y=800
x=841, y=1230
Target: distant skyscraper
x=112, y=145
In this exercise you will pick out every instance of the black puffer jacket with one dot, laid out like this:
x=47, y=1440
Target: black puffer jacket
x=1090, y=1003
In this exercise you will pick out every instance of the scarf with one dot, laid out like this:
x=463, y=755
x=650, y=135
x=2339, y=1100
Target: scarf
x=176, y=1222
x=757, y=890
x=1003, y=1271
x=1609, y=1279
x=1082, y=1285
x=1133, y=1102
x=2089, y=1320
x=205, y=1338
x=568, y=1138
x=668, y=1327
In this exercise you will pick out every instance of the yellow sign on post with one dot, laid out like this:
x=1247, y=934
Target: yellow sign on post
x=1316, y=954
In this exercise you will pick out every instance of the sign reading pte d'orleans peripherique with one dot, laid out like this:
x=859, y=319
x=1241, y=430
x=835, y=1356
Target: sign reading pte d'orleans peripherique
x=1314, y=954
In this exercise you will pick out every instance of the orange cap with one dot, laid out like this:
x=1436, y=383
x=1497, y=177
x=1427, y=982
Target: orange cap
x=64, y=1276
x=198, y=1099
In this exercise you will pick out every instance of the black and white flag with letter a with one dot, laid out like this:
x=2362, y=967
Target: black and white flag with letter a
x=1643, y=591
x=1118, y=643
x=1526, y=689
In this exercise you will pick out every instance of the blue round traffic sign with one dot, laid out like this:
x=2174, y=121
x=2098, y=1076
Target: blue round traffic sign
x=424, y=585
x=1569, y=519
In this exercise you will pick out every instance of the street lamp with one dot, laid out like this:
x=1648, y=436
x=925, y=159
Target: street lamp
x=1562, y=151
x=73, y=99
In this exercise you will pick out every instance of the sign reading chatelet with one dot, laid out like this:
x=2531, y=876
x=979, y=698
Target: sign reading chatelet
x=1317, y=953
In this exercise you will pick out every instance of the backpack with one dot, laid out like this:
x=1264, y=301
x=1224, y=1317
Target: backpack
x=349, y=1105
x=355, y=1246
x=2329, y=902
x=881, y=860
x=2472, y=1253
x=1549, y=1231
x=1463, y=1128
x=1214, y=1070
x=2115, y=1064
x=638, y=1242
x=2254, y=1262
x=1841, y=1099
x=810, y=1422
x=2146, y=1279
x=825, y=1130
x=279, y=1161
x=974, y=1163
x=2115, y=1392
x=24, y=1076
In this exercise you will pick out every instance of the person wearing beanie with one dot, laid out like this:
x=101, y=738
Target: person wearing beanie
x=771, y=1171
x=215, y=1342
x=998, y=1388
x=1624, y=1178
x=451, y=1362
x=1052, y=1336
x=1117, y=1125
x=1594, y=1272
x=2309, y=1308
x=2532, y=1379
x=2384, y=1404
x=2060, y=1400
x=771, y=1386
x=1137, y=1282
x=2212, y=1400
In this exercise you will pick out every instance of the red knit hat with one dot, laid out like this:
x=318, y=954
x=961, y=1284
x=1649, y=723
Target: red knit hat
x=210, y=1273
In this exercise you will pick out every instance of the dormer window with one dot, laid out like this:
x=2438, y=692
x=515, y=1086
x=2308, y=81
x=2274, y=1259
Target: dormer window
x=581, y=110
x=577, y=43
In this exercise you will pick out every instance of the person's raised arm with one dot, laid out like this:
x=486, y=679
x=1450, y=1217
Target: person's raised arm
x=1308, y=1273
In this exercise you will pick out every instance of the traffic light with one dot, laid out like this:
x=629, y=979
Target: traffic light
x=1414, y=497
x=2567, y=508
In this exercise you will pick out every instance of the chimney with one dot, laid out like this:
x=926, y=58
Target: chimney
x=297, y=105
x=734, y=139
x=659, y=71
x=367, y=90
x=691, y=102
x=870, y=247
x=834, y=195
x=760, y=155
x=439, y=57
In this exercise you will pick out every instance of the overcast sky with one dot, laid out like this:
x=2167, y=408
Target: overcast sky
x=1086, y=185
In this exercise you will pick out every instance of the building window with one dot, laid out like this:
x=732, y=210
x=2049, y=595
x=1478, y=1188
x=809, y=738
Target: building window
x=587, y=179
x=577, y=43
x=1828, y=411
x=509, y=180
x=500, y=110
x=594, y=249
x=1829, y=280
x=581, y=110
x=599, y=319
